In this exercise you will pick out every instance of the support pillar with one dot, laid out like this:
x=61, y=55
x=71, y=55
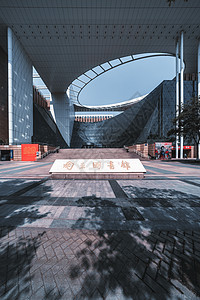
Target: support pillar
x=10, y=94
x=177, y=94
x=198, y=77
x=63, y=113
x=181, y=90
x=198, y=86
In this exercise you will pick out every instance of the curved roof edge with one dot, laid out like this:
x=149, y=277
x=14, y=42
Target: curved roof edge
x=79, y=83
x=120, y=106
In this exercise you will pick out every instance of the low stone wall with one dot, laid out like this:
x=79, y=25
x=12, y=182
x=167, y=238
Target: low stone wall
x=140, y=149
x=16, y=150
x=151, y=150
x=148, y=150
x=44, y=150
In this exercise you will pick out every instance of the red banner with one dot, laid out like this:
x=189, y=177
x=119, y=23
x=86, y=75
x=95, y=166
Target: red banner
x=29, y=152
x=184, y=147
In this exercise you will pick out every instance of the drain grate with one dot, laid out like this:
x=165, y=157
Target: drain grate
x=131, y=213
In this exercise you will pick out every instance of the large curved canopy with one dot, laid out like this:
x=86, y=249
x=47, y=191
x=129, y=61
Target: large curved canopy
x=121, y=106
x=64, y=39
x=82, y=81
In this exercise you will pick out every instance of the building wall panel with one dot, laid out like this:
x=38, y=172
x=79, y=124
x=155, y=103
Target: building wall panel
x=22, y=92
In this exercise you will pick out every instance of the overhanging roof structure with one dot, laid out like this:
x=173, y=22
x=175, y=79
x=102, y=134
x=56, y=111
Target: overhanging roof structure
x=65, y=38
x=121, y=106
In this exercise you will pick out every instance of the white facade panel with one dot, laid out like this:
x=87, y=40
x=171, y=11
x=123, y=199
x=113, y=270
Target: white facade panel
x=21, y=123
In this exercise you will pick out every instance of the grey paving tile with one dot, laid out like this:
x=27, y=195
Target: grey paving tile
x=67, y=232
x=172, y=189
x=10, y=186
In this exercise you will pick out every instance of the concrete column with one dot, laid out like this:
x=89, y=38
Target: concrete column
x=10, y=94
x=181, y=90
x=198, y=78
x=177, y=93
x=63, y=113
x=198, y=89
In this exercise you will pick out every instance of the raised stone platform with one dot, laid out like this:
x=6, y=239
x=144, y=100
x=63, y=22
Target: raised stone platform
x=97, y=169
x=97, y=175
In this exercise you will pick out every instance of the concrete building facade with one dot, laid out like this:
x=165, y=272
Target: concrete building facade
x=65, y=39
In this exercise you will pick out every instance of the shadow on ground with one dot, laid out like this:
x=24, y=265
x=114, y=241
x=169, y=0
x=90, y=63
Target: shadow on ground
x=13, y=215
x=17, y=252
x=140, y=264
x=152, y=197
x=169, y=194
x=93, y=201
x=15, y=260
x=135, y=192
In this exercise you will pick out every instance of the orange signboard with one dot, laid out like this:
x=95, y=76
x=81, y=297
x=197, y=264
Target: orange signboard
x=29, y=152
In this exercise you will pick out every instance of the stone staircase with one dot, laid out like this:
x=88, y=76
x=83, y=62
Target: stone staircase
x=100, y=153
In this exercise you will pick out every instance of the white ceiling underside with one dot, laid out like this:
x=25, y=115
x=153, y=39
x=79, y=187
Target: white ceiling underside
x=66, y=38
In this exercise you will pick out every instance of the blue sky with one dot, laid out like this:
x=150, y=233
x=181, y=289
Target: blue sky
x=127, y=81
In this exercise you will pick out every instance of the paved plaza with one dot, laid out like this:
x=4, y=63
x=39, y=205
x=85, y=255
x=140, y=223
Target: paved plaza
x=105, y=239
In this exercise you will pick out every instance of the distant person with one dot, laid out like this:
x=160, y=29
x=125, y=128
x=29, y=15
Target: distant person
x=185, y=155
x=162, y=153
x=167, y=154
x=156, y=153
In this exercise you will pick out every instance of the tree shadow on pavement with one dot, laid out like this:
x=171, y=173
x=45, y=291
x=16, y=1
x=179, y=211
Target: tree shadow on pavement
x=154, y=197
x=170, y=194
x=18, y=248
x=138, y=264
x=15, y=211
x=20, y=277
x=93, y=201
x=15, y=259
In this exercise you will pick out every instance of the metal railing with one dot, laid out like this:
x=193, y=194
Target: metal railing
x=49, y=152
x=140, y=153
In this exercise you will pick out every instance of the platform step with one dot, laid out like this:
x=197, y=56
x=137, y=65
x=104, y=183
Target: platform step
x=94, y=153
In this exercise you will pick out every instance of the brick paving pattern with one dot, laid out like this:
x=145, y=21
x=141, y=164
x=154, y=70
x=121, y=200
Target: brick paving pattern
x=87, y=239
x=84, y=264
x=39, y=169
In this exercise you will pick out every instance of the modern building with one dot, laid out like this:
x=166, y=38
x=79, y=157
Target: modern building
x=91, y=118
x=148, y=120
x=71, y=42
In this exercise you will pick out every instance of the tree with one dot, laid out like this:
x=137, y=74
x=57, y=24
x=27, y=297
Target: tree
x=189, y=122
x=170, y=1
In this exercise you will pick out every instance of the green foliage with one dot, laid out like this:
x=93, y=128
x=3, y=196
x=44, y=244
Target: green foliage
x=189, y=121
x=170, y=1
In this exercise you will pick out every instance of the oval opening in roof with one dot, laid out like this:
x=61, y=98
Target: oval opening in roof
x=124, y=79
